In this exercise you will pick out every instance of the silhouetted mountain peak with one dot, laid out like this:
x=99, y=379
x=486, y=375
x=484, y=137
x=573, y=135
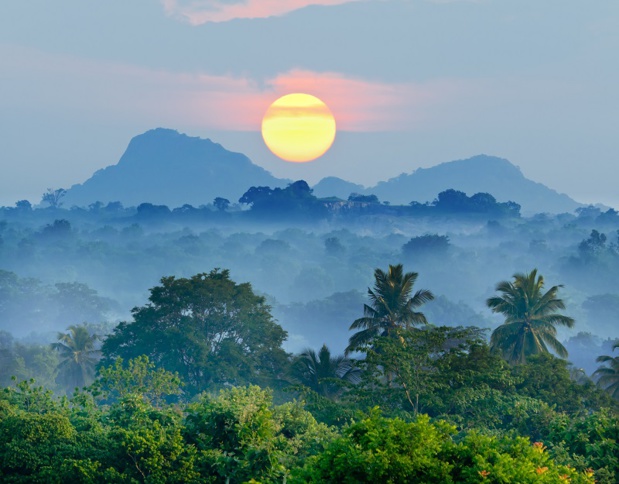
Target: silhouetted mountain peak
x=167, y=167
x=490, y=165
x=163, y=166
x=158, y=147
x=334, y=186
x=481, y=173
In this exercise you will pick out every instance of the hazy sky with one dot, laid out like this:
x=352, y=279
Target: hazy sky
x=411, y=83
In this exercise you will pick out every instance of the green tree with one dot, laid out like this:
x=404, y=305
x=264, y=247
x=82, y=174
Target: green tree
x=23, y=300
x=146, y=444
x=608, y=375
x=592, y=247
x=208, y=329
x=530, y=318
x=402, y=373
x=33, y=445
x=295, y=201
x=52, y=197
x=137, y=377
x=221, y=204
x=324, y=373
x=23, y=206
x=391, y=307
x=472, y=382
x=36, y=435
x=427, y=245
x=240, y=436
x=548, y=378
x=76, y=302
x=377, y=449
x=25, y=362
x=78, y=356
x=587, y=441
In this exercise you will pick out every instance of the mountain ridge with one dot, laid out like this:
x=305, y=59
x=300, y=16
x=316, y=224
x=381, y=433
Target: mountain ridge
x=481, y=173
x=160, y=159
x=163, y=166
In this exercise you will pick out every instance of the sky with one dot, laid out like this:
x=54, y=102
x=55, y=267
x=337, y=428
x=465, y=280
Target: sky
x=411, y=83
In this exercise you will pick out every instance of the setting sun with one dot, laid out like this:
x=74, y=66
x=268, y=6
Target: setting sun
x=298, y=128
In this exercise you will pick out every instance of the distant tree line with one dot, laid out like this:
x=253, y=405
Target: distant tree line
x=28, y=304
x=294, y=202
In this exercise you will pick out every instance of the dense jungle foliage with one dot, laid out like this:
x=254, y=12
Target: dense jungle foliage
x=176, y=399
x=467, y=370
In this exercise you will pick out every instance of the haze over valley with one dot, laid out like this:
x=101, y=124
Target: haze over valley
x=311, y=253
x=309, y=241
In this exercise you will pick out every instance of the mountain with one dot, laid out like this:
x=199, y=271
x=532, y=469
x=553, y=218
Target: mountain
x=481, y=173
x=163, y=166
x=333, y=186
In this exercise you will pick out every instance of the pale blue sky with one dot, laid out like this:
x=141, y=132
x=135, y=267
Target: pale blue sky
x=412, y=83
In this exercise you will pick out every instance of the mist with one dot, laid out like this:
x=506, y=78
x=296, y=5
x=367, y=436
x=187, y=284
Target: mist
x=93, y=264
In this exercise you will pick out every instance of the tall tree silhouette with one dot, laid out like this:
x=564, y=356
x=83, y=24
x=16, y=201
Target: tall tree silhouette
x=530, y=318
x=323, y=373
x=391, y=307
x=78, y=356
x=608, y=376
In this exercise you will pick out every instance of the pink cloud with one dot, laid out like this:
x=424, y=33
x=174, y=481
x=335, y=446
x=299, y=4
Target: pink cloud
x=357, y=104
x=102, y=90
x=361, y=105
x=198, y=12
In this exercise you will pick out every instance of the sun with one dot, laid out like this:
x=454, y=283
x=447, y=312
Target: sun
x=298, y=128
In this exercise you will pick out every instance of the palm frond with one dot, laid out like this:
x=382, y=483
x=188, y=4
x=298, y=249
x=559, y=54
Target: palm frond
x=558, y=319
x=421, y=297
x=363, y=323
x=605, y=358
x=530, y=317
x=391, y=306
x=360, y=339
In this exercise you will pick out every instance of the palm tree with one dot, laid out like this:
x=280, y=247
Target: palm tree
x=608, y=376
x=78, y=356
x=392, y=307
x=321, y=371
x=530, y=318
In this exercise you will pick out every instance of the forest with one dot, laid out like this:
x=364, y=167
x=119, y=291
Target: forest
x=293, y=339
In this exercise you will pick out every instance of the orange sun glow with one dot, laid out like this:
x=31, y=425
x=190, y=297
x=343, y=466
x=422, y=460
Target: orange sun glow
x=298, y=128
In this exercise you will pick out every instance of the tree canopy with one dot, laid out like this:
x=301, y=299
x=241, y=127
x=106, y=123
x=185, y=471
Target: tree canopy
x=391, y=306
x=296, y=200
x=207, y=328
x=608, y=373
x=530, y=318
x=78, y=356
x=451, y=410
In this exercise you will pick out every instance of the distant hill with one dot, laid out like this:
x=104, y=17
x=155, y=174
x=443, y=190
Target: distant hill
x=333, y=186
x=482, y=173
x=165, y=167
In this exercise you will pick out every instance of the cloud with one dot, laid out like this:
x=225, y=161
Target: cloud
x=51, y=83
x=198, y=12
x=361, y=105
x=357, y=104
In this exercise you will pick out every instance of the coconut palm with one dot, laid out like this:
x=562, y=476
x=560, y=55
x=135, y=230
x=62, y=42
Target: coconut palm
x=530, y=318
x=321, y=371
x=608, y=376
x=78, y=356
x=391, y=307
